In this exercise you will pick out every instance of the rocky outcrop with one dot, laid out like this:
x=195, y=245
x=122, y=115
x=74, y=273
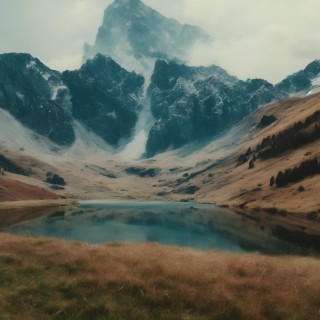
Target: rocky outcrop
x=266, y=121
x=192, y=104
x=105, y=98
x=10, y=166
x=301, y=80
x=36, y=96
x=143, y=172
x=102, y=95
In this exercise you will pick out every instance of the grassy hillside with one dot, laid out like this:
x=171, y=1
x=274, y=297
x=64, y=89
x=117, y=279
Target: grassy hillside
x=12, y=190
x=231, y=182
x=208, y=173
x=51, y=279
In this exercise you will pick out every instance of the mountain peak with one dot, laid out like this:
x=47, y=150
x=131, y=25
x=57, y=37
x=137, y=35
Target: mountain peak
x=126, y=2
x=135, y=35
x=126, y=5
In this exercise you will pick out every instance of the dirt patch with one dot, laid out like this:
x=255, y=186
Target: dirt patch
x=11, y=190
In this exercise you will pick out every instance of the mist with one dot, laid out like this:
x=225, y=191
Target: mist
x=266, y=39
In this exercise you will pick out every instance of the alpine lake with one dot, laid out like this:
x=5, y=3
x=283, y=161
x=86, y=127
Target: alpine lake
x=200, y=226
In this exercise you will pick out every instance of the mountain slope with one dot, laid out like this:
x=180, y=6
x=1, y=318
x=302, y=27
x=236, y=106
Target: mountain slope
x=211, y=174
x=225, y=181
x=105, y=97
x=193, y=104
x=36, y=96
x=11, y=190
x=101, y=95
x=302, y=80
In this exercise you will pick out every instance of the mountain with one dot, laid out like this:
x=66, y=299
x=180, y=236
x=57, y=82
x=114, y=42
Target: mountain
x=192, y=104
x=101, y=95
x=135, y=36
x=36, y=96
x=182, y=104
x=105, y=98
x=188, y=104
x=244, y=160
x=302, y=80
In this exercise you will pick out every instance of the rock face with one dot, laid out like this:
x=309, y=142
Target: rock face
x=193, y=104
x=36, y=96
x=189, y=104
x=267, y=121
x=135, y=36
x=143, y=172
x=105, y=98
x=301, y=80
x=8, y=165
x=102, y=95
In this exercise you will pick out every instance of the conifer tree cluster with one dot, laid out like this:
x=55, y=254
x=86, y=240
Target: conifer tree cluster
x=306, y=169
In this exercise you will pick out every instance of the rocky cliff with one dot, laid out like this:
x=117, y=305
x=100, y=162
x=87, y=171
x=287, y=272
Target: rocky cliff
x=36, y=96
x=105, y=98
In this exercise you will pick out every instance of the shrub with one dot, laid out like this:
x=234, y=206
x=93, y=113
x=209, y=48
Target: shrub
x=55, y=179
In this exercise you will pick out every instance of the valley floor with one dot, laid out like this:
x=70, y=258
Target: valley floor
x=208, y=174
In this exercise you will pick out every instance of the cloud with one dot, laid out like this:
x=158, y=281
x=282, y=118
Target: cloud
x=50, y=29
x=252, y=38
x=264, y=38
x=63, y=62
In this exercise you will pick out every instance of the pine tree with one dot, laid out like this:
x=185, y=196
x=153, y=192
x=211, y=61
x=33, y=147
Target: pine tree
x=272, y=181
x=280, y=182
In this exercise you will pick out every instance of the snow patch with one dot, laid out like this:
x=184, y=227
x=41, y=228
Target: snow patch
x=20, y=95
x=315, y=86
x=135, y=149
x=316, y=82
x=112, y=115
x=31, y=64
x=45, y=75
x=56, y=90
x=87, y=145
x=17, y=137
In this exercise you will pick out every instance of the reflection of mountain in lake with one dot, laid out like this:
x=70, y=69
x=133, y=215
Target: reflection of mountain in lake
x=191, y=225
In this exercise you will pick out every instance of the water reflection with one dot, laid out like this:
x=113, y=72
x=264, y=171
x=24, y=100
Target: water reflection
x=181, y=224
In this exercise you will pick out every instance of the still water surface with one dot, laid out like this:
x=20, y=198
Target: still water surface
x=193, y=225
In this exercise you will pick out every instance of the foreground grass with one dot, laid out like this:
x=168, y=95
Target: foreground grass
x=51, y=279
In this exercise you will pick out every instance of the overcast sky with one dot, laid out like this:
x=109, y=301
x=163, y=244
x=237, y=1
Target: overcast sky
x=252, y=38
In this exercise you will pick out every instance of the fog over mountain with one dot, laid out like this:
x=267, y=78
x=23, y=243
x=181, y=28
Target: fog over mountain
x=135, y=89
x=266, y=39
x=135, y=35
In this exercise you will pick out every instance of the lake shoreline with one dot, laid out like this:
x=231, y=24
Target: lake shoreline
x=27, y=204
x=15, y=212
x=258, y=224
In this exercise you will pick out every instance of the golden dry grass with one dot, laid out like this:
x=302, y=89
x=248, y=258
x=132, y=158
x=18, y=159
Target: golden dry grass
x=236, y=185
x=53, y=279
x=11, y=190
